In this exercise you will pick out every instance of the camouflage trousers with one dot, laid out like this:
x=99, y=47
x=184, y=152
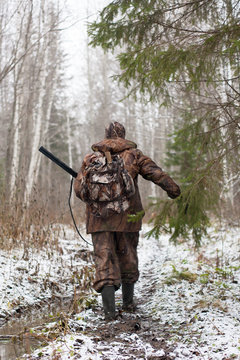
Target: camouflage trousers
x=116, y=260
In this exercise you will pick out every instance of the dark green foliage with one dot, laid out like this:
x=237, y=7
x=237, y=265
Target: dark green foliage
x=188, y=214
x=162, y=40
x=184, y=54
x=200, y=183
x=139, y=215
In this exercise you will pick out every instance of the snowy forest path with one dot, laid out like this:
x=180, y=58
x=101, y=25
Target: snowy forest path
x=133, y=335
x=187, y=300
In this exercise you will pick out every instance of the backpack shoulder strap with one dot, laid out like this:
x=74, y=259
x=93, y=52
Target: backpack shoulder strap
x=108, y=157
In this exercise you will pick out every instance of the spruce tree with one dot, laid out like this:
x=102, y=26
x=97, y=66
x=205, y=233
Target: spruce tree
x=186, y=55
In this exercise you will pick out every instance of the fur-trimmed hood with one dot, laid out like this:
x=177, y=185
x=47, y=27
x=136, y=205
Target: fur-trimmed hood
x=115, y=145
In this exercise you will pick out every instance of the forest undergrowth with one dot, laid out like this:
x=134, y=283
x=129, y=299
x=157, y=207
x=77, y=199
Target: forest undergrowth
x=37, y=226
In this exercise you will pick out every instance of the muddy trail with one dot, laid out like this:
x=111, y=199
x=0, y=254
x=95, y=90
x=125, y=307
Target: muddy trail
x=187, y=308
x=131, y=336
x=32, y=333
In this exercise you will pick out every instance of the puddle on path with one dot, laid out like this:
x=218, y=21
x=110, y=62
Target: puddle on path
x=11, y=349
x=13, y=344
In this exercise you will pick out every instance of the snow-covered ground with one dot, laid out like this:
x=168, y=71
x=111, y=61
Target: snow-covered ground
x=188, y=301
x=31, y=276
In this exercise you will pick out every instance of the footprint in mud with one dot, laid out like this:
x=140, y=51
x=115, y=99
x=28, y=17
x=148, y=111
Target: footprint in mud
x=131, y=336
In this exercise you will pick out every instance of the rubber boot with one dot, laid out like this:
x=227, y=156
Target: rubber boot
x=108, y=299
x=127, y=296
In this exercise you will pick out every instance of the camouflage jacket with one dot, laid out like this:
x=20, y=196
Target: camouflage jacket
x=136, y=163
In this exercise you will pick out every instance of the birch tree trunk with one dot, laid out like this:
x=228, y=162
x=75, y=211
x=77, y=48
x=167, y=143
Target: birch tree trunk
x=45, y=95
x=23, y=27
x=14, y=145
x=70, y=156
x=38, y=119
x=69, y=142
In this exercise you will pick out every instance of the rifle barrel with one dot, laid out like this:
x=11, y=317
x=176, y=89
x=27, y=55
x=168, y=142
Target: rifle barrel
x=58, y=161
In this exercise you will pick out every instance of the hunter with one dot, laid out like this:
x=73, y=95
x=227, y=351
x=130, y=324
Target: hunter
x=114, y=238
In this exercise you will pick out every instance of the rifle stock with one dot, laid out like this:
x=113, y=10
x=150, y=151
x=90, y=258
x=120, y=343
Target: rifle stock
x=58, y=161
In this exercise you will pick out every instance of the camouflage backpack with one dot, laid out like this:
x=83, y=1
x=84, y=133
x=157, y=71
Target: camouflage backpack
x=106, y=185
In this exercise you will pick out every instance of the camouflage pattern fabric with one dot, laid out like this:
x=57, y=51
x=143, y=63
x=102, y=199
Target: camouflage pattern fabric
x=136, y=164
x=116, y=258
x=114, y=130
x=106, y=185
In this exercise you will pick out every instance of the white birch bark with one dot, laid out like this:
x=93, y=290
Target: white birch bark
x=45, y=128
x=38, y=114
x=23, y=24
x=90, y=80
x=14, y=166
x=35, y=157
x=69, y=142
x=70, y=157
x=41, y=117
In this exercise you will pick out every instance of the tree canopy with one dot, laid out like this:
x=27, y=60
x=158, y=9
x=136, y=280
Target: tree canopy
x=161, y=41
x=184, y=54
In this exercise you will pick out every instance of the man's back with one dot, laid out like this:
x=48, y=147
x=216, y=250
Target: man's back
x=135, y=163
